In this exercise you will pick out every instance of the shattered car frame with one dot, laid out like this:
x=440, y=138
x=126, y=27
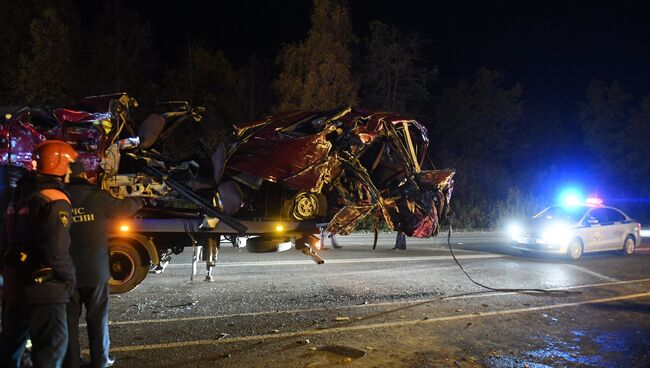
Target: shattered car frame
x=341, y=166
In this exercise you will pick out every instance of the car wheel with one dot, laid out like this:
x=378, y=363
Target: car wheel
x=629, y=245
x=127, y=271
x=574, y=251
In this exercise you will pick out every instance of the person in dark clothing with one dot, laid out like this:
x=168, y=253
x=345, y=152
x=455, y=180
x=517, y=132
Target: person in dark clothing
x=38, y=271
x=326, y=234
x=91, y=207
x=400, y=241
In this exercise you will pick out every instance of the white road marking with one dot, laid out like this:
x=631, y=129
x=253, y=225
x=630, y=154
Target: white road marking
x=306, y=310
x=592, y=273
x=343, y=329
x=347, y=260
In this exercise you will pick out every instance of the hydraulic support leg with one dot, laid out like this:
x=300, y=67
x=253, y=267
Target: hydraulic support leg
x=196, y=251
x=211, y=253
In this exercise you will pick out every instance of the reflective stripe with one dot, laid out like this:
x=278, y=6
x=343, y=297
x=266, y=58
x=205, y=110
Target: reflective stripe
x=54, y=195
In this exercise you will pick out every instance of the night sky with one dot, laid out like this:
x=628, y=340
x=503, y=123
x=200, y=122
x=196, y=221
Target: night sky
x=553, y=48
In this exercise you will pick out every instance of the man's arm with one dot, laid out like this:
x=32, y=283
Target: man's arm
x=116, y=207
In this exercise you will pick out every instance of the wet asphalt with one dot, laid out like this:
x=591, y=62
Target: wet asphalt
x=387, y=308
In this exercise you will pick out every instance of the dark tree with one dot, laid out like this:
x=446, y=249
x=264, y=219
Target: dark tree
x=475, y=121
x=473, y=130
x=120, y=54
x=205, y=79
x=254, y=78
x=316, y=74
x=604, y=118
x=395, y=74
x=48, y=74
x=15, y=40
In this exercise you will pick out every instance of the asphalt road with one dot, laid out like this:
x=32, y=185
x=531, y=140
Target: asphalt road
x=413, y=308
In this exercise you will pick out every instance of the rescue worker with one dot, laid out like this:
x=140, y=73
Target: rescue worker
x=91, y=207
x=39, y=273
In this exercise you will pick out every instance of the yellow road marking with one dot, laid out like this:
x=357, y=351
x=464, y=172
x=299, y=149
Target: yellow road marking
x=237, y=339
x=347, y=260
x=306, y=310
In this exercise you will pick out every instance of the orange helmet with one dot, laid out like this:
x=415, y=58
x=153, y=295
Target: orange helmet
x=53, y=157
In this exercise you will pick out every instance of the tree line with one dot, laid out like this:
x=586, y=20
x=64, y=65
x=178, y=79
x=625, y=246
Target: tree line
x=511, y=153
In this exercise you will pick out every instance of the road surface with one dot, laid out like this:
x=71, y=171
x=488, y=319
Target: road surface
x=387, y=308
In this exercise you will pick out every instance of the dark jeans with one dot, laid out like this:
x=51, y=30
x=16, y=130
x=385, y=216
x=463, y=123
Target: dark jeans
x=95, y=300
x=45, y=324
x=400, y=241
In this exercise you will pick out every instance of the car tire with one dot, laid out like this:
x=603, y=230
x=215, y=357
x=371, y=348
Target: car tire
x=629, y=245
x=574, y=250
x=127, y=271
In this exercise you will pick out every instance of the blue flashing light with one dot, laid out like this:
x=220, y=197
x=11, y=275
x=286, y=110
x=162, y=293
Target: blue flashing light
x=571, y=197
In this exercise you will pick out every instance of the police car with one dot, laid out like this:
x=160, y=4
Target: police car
x=575, y=229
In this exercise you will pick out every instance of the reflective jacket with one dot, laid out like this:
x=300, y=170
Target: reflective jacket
x=38, y=223
x=91, y=209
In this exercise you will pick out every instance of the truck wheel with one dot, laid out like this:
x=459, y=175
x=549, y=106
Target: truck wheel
x=126, y=267
x=306, y=206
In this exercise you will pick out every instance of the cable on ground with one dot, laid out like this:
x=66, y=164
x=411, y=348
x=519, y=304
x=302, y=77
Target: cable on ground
x=506, y=290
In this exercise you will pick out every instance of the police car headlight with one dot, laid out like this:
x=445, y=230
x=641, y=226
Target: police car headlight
x=515, y=230
x=557, y=234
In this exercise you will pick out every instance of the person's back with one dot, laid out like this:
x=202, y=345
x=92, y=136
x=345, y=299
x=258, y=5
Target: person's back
x=91, y=209
x=36, y=199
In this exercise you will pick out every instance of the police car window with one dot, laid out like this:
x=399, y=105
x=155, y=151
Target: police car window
x=598, y=214
x=563, y=213
x=614, y=215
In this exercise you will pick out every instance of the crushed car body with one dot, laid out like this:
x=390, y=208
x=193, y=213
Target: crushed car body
x=341, y=166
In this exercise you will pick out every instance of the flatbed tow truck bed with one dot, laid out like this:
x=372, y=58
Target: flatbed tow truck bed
x=140, y=245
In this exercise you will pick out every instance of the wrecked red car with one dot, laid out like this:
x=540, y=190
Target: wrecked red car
x=338, y=167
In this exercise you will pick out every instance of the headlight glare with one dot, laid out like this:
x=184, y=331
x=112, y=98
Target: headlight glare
x=515, y=230
x=557, y=234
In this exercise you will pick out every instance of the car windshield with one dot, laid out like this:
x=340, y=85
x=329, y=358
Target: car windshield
x=562, y=213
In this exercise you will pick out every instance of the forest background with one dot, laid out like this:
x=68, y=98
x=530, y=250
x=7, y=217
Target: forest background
x=513, y=153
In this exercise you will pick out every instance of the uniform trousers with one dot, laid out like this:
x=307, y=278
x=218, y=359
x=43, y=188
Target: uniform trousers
x=95, y=301
x=45, y=324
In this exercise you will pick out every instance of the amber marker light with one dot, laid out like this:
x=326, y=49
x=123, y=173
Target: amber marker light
x=279, y=228
x=124, y=228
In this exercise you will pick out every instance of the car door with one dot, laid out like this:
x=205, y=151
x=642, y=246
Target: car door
x=593, y=240
x=616, y=229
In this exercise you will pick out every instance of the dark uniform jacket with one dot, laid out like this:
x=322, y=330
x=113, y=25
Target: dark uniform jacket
x=39, y=216
x=91, y=208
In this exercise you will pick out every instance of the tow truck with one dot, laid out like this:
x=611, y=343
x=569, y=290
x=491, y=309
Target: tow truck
x=278, y=179
x=145, y=243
